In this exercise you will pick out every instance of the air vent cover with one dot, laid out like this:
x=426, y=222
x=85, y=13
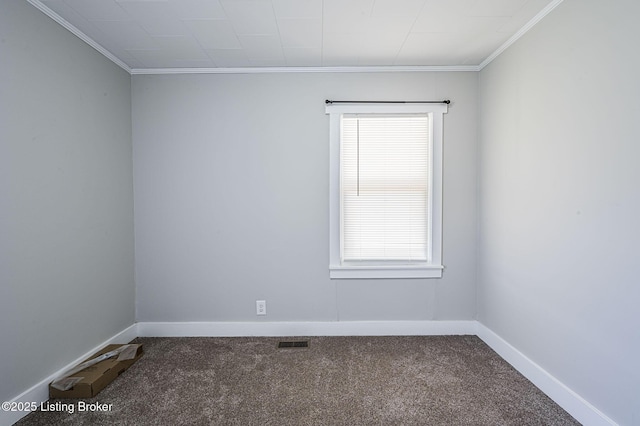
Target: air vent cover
x=293, y=344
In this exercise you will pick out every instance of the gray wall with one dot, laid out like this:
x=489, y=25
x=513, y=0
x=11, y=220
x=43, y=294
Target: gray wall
x=66, y=201
x=559, y=200
x=231, y=180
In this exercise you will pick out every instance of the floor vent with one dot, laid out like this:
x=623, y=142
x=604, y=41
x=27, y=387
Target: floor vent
x=293, y=344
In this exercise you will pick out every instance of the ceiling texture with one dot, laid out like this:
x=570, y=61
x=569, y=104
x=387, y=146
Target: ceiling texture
x=145, y=36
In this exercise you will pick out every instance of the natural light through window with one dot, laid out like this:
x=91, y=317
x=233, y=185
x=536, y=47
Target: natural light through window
x=385, y=186
x=386, y=190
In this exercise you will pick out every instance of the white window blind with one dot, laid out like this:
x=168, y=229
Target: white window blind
x=385, y=189
x=385, y=185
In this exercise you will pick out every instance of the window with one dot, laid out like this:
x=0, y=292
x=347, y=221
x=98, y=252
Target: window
x=386, y=190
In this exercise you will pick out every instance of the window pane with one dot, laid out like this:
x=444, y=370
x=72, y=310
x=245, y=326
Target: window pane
x=385, y=182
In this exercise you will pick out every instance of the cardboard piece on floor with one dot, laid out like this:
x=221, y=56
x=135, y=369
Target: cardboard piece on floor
x=98, y=376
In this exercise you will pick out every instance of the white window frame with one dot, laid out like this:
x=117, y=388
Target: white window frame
x=433, y=267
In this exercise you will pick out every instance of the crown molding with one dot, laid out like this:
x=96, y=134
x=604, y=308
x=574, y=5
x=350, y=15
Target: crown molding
x=544, y=12
x=264, y=70
x=82, y=36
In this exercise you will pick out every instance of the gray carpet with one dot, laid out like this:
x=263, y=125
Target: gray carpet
x=441, y=380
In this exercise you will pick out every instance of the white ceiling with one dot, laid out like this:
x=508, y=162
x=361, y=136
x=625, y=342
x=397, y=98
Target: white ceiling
x=205, y=34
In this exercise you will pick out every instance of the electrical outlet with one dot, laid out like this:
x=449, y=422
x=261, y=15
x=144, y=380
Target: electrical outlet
x=261, y=307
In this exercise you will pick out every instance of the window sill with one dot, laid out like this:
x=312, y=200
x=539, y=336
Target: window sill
x=382, y=272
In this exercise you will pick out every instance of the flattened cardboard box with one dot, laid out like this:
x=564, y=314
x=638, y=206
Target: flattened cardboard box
x=96, y=377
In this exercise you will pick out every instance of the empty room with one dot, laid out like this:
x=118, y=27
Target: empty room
x=321, y=212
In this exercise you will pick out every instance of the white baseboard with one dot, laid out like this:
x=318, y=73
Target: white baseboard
x=570, y=401
x=336, y=328
x=573, y=403
x=40, y=391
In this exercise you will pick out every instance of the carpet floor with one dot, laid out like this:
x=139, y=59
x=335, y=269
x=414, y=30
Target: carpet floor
x=401, y=380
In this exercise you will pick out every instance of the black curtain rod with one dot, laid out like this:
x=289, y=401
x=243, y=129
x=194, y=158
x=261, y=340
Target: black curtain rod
x=446, y=101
